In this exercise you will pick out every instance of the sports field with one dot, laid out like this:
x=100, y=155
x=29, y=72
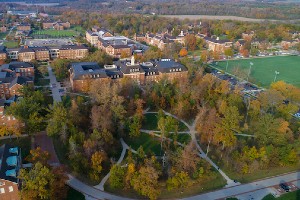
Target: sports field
x=263, y=69
x=55, y=33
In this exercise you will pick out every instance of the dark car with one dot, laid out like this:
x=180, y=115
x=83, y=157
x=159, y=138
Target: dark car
x=285, y=187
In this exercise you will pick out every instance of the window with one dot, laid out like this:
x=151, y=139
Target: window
x=2, y=183
x=2, y=191
x=10, y=188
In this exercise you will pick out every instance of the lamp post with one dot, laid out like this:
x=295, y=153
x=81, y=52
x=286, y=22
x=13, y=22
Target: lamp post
x=276, y=73
x=251, y=63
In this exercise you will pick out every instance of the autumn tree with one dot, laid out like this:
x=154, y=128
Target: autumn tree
x=96, y=165
x=191, y=41
x=183, y=52
x=145, y=182
x=38, y=155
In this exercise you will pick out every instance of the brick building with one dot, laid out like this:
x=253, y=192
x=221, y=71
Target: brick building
x=83, y=74
x=11, y=163
x=24, y=27
x=3, y=29
x=56, y=25
x=217, y=45
x=27, y=54
x=3, y=54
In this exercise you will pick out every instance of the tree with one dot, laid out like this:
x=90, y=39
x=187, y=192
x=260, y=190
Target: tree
x=183, y=52
x=145, y=182
x=36, y=183
x=96, y=165
x=116, y=177
x=191, y=41
x=57, y=123
x=228, y=125
x=58, y=188
x=38, y=155
x=228, y=52
x=135, y=126
x=180, y=179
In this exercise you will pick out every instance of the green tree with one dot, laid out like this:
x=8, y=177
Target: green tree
x=36, y=182
x=57, y=123
x=116, y=178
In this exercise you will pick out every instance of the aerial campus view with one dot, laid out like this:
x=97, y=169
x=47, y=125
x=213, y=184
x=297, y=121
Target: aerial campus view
x=140, y=99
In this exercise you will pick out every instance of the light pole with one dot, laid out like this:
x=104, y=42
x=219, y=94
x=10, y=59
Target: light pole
x=251, y=63
x=276, y=73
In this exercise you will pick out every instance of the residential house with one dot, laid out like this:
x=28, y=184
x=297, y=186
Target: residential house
x=286, y=44
x=11, y=163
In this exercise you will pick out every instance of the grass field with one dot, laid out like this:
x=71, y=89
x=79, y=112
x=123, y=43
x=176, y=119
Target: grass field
x=150, y=123
x=11, y=44
x=55, y=33
x=2, y=35
x=149, y=143
x=289, y=196
x=263, y=69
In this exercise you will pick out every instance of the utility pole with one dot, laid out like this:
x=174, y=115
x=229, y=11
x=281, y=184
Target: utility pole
x=276, y=73
x=251, y=63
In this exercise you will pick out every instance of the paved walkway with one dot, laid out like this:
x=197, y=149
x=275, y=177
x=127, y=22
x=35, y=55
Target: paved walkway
x=13, y=136
x=192, y=132
x=43, y=141
x=55, y=90
x=90, y=191
x=249, y=188
x=100, y=186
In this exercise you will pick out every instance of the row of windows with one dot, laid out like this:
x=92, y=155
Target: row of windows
x=175, y=70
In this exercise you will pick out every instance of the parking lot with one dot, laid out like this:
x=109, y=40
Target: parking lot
x=48, y=42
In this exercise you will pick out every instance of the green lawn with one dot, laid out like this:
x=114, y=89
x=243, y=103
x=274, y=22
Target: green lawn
x=11, y=44
x=55, y=33
x=216, y=181
x=150, y=123
x=259, y=174
x=184, y=138
x=263, y=69
x=149, y=143
x=289, y=196
x=42, y=82
x=2, y=35
x=24, y=143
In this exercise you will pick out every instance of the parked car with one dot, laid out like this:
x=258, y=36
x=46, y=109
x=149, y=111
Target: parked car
x=285, y=187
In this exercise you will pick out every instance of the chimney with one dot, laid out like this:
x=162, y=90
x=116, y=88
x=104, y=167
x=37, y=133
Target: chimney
x=25, y=46
x=132, y=60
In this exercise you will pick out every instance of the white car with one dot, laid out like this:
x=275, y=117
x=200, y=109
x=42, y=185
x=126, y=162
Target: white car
x=297, y=115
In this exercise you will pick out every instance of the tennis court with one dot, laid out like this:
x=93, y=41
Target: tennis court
x=263, y=70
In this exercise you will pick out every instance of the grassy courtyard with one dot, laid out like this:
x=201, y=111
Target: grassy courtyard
x=263, y=69
x=150, y=123
x=149, y=143
x=11, y=44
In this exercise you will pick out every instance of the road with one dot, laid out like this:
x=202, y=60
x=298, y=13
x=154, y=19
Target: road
x=55, y=90
x=249, y=188
x=91, y=192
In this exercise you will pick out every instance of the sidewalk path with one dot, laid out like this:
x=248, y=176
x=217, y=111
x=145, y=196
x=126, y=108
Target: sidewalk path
x=249, y=187
x=192, y=132
x=55, y=90
x=91, y=191
x=100, y=186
